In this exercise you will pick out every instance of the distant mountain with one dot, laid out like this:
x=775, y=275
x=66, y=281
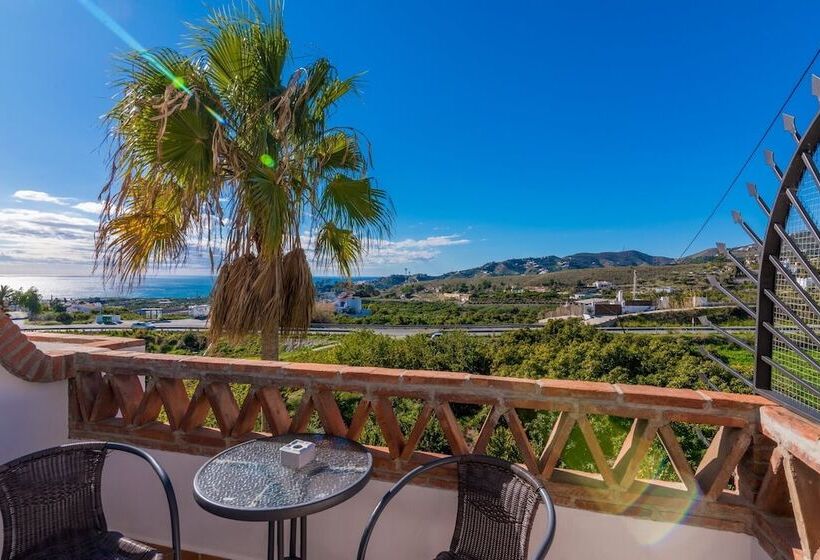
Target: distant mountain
x=535, y=265
x=746, y=252
x=552, y=263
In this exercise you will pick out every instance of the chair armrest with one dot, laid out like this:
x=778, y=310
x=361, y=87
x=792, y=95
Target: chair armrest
x=403, y=481
x=540, y=553
x=166, y=485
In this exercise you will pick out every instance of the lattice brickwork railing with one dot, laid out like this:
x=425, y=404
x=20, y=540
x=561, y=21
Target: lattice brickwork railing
x=167, y=401
x=200, y=405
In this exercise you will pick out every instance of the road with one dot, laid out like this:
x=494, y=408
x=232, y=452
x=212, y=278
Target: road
x=391, y=330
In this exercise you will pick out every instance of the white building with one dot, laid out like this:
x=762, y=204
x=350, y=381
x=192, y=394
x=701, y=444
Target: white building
x=199, y=311
x=151, y=313
x=348, y=303
x=602, y=284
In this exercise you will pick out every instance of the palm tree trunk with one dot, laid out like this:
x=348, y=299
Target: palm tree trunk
x=270, y=343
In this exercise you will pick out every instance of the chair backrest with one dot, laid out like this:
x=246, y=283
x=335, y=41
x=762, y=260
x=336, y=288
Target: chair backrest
x=50, y=496
x=497, y=503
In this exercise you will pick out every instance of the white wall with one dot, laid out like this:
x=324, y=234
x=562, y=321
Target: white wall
x=33, y=416
x=417, y=524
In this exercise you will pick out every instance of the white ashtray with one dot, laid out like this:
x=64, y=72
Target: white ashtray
x=297, y=453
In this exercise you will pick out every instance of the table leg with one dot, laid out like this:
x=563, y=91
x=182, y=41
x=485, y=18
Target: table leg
x=303, y=537
x=280, y=540
x=271, y=540
x=302, y=521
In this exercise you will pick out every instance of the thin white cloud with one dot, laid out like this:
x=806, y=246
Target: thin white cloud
x=409, y=251
x=90, y=207
x=40, y=196
x=404, y=251
x=29, y=236
x=428, y=242
x=33, y=236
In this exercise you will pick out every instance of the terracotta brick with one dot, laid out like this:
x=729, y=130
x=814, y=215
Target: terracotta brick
x=7, y=328
x=10, y=345
x=230, y=365
x=715, y=418
x=797, y=435
x=577, y=389
x=662, y=396
x=62, y=365
x=350, y=374
x=725, y=401
x=508, y=384
x=44, y=372
x=18, y=356
x=417, y=377
x=313, y=371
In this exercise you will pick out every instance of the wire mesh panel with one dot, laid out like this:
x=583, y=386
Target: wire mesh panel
x=787, y=313
x=788, y=318
x=795, y=350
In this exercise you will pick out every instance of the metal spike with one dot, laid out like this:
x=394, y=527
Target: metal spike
x=705, y=381
x=768, y=155
x=801, y=256
x=791, y=127
x=739, y=302
x=704, y=320
x=812, y=167
x=751, y=188
x=736, y=216
x=815, y=86
x=732, y=372
x=721, y=247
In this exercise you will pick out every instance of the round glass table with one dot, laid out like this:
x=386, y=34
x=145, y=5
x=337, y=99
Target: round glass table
x=248, y=482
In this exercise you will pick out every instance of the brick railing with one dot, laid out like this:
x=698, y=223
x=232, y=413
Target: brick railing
x=760, y=473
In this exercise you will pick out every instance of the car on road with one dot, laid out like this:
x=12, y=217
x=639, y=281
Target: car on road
x=144, y=325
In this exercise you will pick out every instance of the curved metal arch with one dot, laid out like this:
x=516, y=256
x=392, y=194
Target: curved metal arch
x=786, y=202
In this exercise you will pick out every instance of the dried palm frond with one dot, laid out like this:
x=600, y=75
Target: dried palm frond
x=298, y=293
x=236, y=311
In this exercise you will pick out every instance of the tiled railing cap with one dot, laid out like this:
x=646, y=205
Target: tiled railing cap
x=110, y=342
x=22, y=358
x=53, y=360
x=635, y=401
x=798, y=436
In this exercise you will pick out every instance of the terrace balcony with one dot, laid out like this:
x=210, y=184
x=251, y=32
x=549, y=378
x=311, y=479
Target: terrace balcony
x=754, y=494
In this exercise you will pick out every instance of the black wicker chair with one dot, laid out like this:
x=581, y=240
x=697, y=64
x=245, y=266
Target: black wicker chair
x=52, y=509
x=497, y=502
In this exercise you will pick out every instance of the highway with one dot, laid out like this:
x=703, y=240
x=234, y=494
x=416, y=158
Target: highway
x=391, y=330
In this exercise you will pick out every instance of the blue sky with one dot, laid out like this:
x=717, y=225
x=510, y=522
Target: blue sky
x=501, y=129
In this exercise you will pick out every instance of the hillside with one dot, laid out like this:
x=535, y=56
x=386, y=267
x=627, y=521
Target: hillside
x=534, y=266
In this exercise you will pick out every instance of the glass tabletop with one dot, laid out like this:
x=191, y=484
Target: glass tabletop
x=248, y=481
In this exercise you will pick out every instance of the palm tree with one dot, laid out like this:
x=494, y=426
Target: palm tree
x=223, y=149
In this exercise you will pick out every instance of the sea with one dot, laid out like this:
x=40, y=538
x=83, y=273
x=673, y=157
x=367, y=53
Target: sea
x=154, y=287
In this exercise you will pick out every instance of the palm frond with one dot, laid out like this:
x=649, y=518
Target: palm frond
x=336, y=247
x=357, y=204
